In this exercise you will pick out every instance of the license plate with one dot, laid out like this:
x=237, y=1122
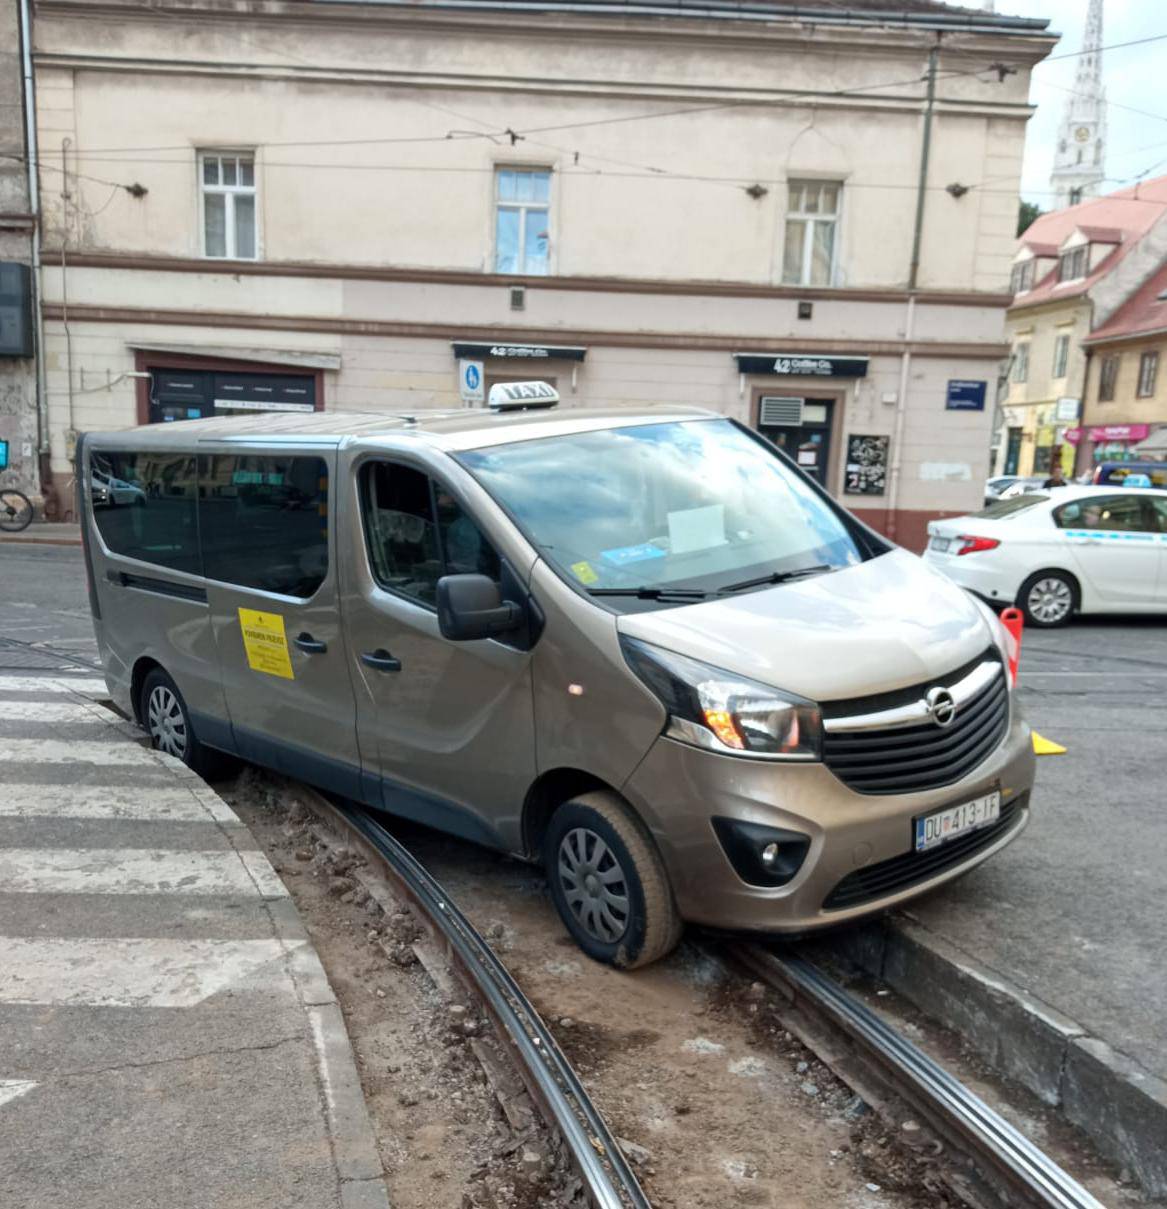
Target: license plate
x=940, y=544
x=935, y=829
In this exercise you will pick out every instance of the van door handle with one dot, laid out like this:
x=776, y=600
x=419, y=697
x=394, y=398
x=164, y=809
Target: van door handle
x=381, y=660
x=309, y=645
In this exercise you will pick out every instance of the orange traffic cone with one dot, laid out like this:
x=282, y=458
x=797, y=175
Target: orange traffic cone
x=1014, y=621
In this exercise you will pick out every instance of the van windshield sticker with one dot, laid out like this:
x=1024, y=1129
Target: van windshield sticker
x=696, y=528
x=622, y=555
x=584, y=572
x=265, y=643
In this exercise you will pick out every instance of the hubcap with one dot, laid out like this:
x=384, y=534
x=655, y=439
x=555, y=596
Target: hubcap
x=593, y=884
x=1050, y=599
x=166, y=723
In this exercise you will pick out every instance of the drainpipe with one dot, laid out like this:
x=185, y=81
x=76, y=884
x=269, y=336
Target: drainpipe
x=893, y=487
x=33, y=166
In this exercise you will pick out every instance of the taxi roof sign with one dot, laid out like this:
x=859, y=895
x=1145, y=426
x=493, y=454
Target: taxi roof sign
x=521, y=396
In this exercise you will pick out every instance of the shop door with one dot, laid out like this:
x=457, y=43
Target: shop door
x=801, y=428
x=1012, y=451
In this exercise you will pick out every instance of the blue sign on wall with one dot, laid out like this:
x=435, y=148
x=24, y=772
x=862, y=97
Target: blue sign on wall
x=964, y=395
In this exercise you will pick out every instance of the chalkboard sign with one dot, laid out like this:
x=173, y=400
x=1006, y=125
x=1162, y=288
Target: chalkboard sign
x=866, y=465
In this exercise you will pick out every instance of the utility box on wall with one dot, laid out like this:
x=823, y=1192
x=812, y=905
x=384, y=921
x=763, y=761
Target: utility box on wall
x=15, y=310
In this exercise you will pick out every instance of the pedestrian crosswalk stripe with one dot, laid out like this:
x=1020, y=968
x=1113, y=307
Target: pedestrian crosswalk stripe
x=58, y=751
x=11, y=1088
x=128, y=972
x=55, y=711
x=85, y=685
x=136, y=871
x=126, y=804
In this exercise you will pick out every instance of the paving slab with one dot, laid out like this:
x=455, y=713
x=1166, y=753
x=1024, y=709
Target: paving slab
x=170, y=1036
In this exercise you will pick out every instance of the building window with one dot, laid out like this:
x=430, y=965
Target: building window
x=1023, y=277
x=1061, y=355
x=1021, y=363
x=522, y=221
x=1075, y=196
x=1107, y=375
x=812, y=220
x=1072, y=264
x=1148, y=372
x=228, y=190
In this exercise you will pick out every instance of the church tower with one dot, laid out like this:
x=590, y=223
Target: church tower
x=1081, y=151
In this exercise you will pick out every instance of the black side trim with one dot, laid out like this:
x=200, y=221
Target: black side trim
x=164, y=587
x=213, y=732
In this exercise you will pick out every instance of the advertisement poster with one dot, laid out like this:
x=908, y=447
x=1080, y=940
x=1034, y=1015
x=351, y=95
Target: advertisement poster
x=866, y=465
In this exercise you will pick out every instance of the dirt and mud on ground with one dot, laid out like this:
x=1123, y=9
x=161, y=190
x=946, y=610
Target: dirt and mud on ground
x=441, y=1135
x=714, y=1105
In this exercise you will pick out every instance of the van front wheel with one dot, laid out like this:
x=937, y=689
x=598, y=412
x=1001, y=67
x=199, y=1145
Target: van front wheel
x=609, y=883
x=166, y=719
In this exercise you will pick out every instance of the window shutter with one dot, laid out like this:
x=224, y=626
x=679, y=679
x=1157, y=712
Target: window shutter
x=777, y=412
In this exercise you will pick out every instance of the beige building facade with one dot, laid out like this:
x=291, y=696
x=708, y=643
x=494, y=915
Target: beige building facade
x=290, y=204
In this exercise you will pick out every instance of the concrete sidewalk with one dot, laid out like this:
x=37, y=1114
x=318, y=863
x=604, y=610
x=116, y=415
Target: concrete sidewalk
x=169, y=1035
x=46, y=533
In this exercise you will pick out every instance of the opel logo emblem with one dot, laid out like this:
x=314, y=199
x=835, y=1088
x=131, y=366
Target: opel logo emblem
x=941, y=706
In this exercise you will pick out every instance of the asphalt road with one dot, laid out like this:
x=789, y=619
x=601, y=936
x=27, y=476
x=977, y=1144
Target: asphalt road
x=1073, y=911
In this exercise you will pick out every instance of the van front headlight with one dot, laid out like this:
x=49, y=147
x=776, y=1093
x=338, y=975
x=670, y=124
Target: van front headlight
x=724, y=712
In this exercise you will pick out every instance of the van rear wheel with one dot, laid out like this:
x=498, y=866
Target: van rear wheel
x=609, y=882
x=164, y=714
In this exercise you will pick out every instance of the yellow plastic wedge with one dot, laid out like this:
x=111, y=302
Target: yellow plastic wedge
x=1046, y=747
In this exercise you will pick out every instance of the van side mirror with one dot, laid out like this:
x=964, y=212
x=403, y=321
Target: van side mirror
x=471, y=606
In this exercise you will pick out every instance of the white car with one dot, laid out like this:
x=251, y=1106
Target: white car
x=1057, y=552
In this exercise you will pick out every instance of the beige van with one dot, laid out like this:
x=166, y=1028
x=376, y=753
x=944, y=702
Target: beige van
x=639, y=645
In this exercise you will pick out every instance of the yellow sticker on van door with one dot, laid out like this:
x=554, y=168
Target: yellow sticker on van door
x=266, y=643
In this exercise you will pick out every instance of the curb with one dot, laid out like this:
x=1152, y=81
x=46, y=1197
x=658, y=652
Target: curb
x=12, y=539
x=351, y=1138
x=1114, y=1100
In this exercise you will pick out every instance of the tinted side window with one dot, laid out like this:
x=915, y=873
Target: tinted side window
x=1116, y=513
x=1159, y=513
x=264, y=522
x=144, y=505
x=410, y=545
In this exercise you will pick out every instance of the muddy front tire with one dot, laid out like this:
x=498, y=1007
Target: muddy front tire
x=609, y=882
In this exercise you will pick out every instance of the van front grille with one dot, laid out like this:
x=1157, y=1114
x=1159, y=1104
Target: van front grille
x=908, y=759
x=911, y=868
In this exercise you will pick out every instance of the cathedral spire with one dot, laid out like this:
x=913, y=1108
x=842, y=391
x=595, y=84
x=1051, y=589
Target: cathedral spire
x=1079, y=160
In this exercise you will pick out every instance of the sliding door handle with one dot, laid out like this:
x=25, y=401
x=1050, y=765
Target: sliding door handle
x=381, y=660
x=309, y=645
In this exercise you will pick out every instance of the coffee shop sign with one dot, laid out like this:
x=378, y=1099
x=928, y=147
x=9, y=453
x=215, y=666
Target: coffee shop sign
x=804, y=365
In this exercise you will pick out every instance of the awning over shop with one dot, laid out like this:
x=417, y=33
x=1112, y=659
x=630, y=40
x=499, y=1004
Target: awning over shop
x=479, y=351
x=801, y=365
x=1156, y=443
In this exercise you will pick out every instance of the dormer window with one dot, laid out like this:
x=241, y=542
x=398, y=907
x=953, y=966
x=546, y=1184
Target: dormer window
x=1023, y=276
x=1072, y=264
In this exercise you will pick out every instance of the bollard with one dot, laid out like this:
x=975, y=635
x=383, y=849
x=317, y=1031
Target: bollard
x=1014, y=621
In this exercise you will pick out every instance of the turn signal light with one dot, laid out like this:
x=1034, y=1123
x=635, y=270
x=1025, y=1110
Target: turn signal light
x=970, y=545
x=720, y=721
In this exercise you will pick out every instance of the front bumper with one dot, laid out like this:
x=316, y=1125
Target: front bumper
x=679, y=789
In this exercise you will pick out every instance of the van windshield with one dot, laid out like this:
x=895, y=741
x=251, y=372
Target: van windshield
x=690, y=507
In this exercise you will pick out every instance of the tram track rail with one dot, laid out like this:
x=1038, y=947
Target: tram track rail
x=550, y=1080
x=987, y=1161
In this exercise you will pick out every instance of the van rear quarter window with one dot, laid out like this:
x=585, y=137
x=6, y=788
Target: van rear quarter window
x=264, y=522
x=144, y=505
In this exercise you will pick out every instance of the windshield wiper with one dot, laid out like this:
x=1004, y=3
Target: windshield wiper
x=776, y=577
x=646, y=593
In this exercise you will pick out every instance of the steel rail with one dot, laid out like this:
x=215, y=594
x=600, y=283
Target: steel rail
x=609, y=1180
x=1003, y=1155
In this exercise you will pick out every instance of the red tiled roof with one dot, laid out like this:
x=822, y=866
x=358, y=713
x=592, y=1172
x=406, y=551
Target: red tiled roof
x=1144, y=311
x=1131, y=212
x=1041, y=249
x=1101, y=234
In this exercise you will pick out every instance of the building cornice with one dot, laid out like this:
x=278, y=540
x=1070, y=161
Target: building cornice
x=1156, y=333
x=508, y=334
x=129, y=262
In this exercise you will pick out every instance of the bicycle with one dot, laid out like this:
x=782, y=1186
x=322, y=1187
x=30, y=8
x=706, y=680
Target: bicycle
x=16, y=510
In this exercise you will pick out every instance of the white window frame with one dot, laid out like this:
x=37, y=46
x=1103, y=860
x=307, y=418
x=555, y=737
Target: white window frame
x=229, y=193
x=835, y=220
x=1061, y=355
x=1067, y=259
x=1021, y=362
x=523, y=207
x=1148, y=373
x=1023, y=274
